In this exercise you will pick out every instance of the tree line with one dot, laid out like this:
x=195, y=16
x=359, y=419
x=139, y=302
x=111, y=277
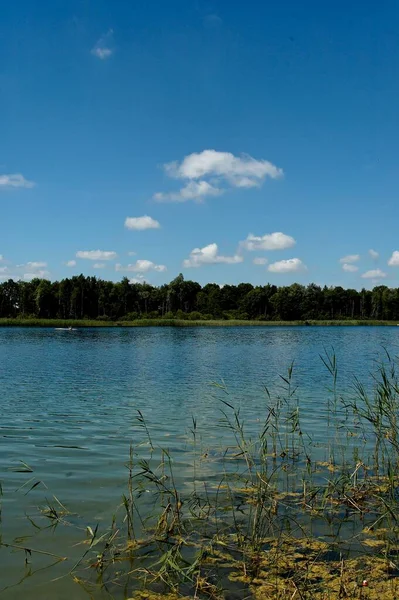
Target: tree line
x=81, y=297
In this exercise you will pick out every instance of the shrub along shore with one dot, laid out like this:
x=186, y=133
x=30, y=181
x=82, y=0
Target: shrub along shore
x=162, y=322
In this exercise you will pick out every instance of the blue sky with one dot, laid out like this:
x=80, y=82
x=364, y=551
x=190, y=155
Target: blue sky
x=222, y=122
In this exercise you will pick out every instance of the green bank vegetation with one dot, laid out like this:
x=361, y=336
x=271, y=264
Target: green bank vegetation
x=167, y=322
x=92, y=299
x=270, y=515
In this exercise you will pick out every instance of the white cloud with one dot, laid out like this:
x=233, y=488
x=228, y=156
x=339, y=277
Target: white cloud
x=96, y=254
x=208, y=255
x=351, y=258
x=71, y=263
x=36, y=275
x=194, y=190
x=260, y=261
x=3, y=269
x=269, y=241
x=374, y=274
x=36, y=265
x=138, y=279
x=220, y=167
x=223, y=164
x=15, y=180
x=131, y=253
x=99, y=265
x=394, y=260
x=374, y=254
x=291, y=265
x=141, y=223
x=349, y=268
x=103, y=48
x=212, y=20
x=141, y=266
x=1, y=257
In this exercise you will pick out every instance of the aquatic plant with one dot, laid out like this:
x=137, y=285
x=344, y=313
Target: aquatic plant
x=268, y=514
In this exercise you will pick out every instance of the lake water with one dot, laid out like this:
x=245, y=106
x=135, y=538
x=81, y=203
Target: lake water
x=69, y=403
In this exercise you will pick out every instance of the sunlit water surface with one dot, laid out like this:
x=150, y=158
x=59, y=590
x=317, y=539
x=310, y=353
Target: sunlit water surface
x=69, y=403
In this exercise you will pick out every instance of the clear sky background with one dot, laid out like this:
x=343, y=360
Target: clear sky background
x=222, y=121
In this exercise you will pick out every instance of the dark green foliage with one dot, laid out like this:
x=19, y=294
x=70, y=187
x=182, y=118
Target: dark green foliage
x=90, y=298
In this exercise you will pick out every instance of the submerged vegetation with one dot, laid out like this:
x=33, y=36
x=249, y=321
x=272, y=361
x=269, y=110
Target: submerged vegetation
x=89, y=298
x=271, y=510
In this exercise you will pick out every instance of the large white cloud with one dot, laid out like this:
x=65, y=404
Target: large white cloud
x=349, y=268
x=350, y=258
x=141, y=223
x=374, y=274
x=291, y=265
x=194, y=190
x=15, y=180
x=140, y=266
x=220, y=168
x=394, y=260
x=208, y=255
x=223, y=164
x=96, y=254
x=269, y=241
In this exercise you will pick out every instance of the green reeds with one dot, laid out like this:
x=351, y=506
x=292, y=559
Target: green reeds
x=262, y=514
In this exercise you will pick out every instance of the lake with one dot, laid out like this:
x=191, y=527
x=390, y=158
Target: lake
x=70, y=403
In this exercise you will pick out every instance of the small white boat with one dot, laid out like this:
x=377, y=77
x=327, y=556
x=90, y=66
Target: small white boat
x=65, y=329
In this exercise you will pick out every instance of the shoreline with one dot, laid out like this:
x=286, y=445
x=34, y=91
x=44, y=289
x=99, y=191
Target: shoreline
x=80, y=323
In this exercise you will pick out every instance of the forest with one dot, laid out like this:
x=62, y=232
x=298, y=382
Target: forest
x=81, y=297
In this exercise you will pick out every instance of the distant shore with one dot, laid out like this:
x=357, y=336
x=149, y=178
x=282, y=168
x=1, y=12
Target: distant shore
x=53, y=323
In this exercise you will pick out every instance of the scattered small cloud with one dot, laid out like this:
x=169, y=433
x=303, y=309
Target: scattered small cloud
x=99, y=266
x=291, y=265
x=208, y=255
x=269, y=241
x=212, y=20
x=36, y=275
x=260, y=261
x=141, y=223
x=15, y=180
x=1, y=257
x=350, y=258
x=374, y=254
x=71, y=263
x=374, y=274
x=138, y=279
x=36, y=265
x=394, y=260
x=96, y=254
x=103, y=49
x=195, y=190
x=3, y=269
x=221, y=168
x=349, y=268
x=131, y=253
x=140, y=266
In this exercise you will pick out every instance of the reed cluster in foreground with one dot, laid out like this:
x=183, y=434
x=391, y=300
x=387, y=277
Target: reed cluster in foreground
x=271, y=514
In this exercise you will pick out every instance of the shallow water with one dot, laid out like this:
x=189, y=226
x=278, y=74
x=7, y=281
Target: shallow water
x=69, y=405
